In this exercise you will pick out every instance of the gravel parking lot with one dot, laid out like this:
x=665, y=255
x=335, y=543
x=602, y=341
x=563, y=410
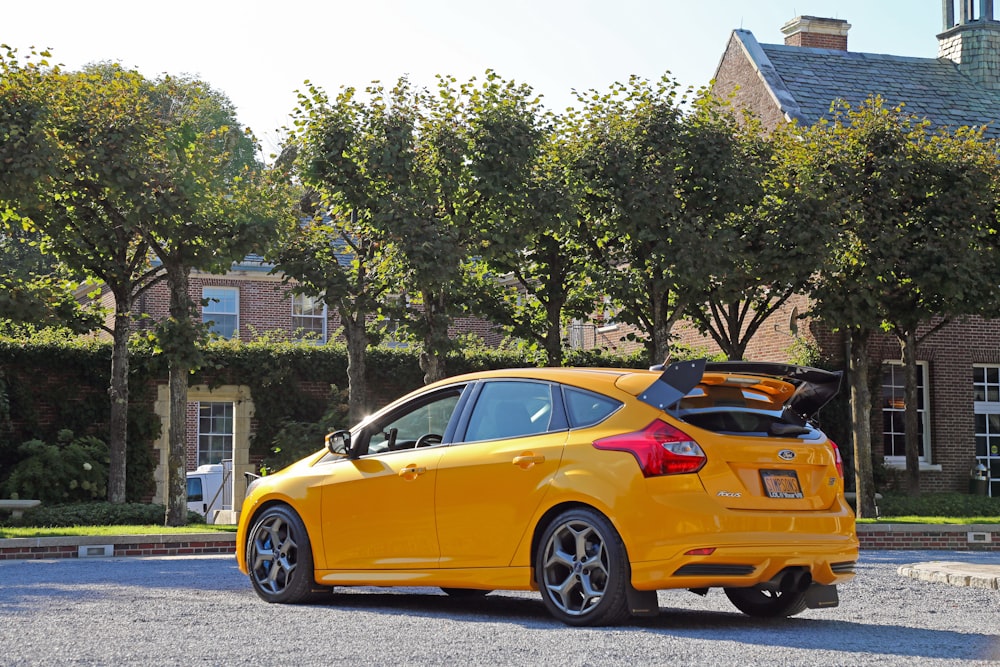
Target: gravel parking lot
x=201, y=610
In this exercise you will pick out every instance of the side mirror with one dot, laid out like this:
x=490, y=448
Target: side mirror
x=339, y=442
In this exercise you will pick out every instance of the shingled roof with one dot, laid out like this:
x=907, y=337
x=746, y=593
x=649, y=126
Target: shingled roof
x=805, y=81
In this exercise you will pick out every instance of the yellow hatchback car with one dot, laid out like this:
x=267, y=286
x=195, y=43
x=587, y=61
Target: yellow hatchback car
x=595, y=487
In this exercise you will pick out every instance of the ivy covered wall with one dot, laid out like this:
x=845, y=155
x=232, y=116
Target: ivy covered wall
x=49, y=387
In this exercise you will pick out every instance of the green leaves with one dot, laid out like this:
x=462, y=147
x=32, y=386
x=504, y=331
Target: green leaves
x=915, y=218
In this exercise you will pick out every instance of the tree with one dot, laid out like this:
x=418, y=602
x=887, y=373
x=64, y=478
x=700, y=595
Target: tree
x=773, y=244
x=853, y=164
x=938, y=224
x=73, y=148
x=112, y=168
x=473, y=153
x=535, y=252
x=346, y=156
x=659, y=184
x=210, y=203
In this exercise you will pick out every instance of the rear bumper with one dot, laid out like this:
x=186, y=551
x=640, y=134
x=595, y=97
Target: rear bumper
x=738, y=566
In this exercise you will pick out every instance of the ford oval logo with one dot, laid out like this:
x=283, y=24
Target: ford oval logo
x=786, y=454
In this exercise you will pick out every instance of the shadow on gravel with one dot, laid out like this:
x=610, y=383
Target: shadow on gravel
x=791, y=633
x=829, y=635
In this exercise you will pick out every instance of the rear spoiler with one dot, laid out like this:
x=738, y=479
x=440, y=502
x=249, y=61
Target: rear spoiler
x=814, y=387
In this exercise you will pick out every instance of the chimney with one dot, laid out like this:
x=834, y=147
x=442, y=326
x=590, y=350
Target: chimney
x=972, y=40
x=815, y=32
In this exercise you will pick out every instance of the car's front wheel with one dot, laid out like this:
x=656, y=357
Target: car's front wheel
x=766, y=603
x=582, y=569
x=279, y=557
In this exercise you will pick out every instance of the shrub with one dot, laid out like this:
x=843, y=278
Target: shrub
x=938, y=504
x=96, y=514
x=71, y=470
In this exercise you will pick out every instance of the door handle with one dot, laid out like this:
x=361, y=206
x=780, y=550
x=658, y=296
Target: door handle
x=525, y=461
x=411, y=471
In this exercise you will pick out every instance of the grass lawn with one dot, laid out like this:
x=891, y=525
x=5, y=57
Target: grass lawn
x=935, y=520
x=27, y=531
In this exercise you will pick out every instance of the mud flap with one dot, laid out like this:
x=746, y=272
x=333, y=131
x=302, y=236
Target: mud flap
x=819, y=596
x=642, y=603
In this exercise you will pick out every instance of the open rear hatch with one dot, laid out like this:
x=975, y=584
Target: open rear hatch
x=751, y=420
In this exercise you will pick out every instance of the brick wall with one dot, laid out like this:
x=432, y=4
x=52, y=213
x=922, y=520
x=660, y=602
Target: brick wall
x=737, y=77
x=38, y=548
x=944, y=538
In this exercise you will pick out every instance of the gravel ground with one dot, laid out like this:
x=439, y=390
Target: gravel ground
x=201, y=610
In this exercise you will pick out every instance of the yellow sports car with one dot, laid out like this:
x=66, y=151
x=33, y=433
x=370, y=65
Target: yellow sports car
x=595, y=487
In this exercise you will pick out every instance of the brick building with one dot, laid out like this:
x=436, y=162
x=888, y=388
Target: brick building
x=959, y=365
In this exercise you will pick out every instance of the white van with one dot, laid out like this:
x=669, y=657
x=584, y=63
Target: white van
x=210, y=489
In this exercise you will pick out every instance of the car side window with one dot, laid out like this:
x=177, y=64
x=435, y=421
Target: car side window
x=510, y=409
x=585, y=408
x=424, y=423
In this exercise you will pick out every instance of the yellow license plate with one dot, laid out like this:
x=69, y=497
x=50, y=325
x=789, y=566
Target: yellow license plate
x=781, y=483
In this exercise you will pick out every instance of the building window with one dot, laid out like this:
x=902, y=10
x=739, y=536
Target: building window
x=607, y=318
x=221, y=310
x=308, y=318
x=986, y=397
x=893, y=413
x=215, y=432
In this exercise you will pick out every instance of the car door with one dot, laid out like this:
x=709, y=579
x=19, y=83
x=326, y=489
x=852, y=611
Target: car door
x=491, y=482
x=378, y=508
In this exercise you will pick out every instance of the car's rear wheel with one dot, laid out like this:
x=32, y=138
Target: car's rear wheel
x=582, y=569
x=766, y=603
x=279, y=557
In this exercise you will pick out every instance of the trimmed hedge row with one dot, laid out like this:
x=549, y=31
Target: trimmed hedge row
x=52, y=384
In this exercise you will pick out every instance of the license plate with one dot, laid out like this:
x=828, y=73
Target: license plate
x=781, y=483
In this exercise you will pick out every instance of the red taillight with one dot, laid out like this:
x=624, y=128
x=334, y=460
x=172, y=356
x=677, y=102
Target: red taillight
x=659, y=448
x=704, y=551
x=837, y=458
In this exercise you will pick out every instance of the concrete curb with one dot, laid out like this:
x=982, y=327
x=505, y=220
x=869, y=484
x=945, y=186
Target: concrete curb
x=954, y=574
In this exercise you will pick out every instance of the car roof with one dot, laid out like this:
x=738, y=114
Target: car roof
x=572, y=375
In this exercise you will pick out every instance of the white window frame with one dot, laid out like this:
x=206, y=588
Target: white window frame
x=216, y=301
x=923, y=414
x=208, y=438
x=302, y=324
x=990, y=458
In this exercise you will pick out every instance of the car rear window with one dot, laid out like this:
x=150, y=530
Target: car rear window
x=585, y=408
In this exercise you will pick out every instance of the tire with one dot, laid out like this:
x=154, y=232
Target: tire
x=582, y=570
x=279, y=557
x=763, y=603
x=465, y=593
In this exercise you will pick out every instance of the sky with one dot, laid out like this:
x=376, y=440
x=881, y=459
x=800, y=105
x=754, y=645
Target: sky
x=261, y=53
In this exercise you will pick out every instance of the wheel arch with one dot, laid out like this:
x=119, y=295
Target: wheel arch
x=254, y=517
x=546, y=518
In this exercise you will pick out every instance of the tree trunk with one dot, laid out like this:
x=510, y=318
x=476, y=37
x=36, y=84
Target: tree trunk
x=737, y=345
x=660, y=333
x=357, y=361
x=861, y=430
x=553, y=332
x=180, y=367
x=436, y=341
x=908, y=345
x=118, y=392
